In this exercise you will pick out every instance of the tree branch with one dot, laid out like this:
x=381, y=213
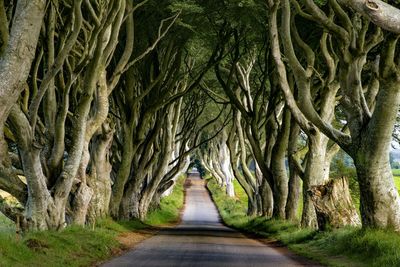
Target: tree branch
x=380, y=13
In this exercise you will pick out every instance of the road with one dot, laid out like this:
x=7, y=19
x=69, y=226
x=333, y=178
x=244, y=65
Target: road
x=201, y=240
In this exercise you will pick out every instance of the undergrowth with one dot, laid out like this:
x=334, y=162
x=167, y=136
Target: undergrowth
x=76, y=245
x=73, y=246
x=170, y=206
x=348, y=246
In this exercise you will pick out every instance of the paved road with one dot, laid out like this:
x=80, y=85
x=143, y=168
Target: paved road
x=201, y=240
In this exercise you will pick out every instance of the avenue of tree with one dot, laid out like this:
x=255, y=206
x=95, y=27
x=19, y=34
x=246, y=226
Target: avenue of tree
x=103, y=104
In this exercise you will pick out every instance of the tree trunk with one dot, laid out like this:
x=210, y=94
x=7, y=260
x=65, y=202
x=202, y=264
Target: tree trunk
x=16, y=61
x=123, y=172
x=100, y=180
x=226, y=167
x=129, y=206
x=171, y=122
x=181, y=171
x=80, y=204
x=294, y=178
x=265, y=195
x=278, y=168
x=81, y=193
x=333, y=204
x=316, y=173
x=380, y=202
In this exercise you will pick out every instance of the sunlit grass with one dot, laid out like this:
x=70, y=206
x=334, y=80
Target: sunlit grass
x=396, y=177
x=73, y=246
x=232, y=210
x=170, y=206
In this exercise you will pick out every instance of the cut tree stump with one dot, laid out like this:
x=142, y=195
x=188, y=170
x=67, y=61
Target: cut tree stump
x=333, y=204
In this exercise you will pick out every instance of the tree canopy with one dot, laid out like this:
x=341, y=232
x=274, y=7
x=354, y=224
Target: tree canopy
x=103, y=104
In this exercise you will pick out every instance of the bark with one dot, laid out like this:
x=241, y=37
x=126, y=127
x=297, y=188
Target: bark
x=123, y=171
x=379, y=12
x=40, y=211
x=278, y=167
x=84, y=193
x=81, y=117
x=380, y=202
x=371, y=136
x=4, y=34
x=246, y=180
x=144, y=160
x=180, y=168
x=139, y=171
x=17, y=58
x=208, y=165
x=266, y=199
x=316, y=173
x=225, y=166
x=215, y=164
x=80, y=203
x=334, y=205
x=294, y=178
x=168, y=138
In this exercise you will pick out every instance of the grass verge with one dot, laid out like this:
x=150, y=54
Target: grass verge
x=343, y=247
x=84, y=246
x=170, y=206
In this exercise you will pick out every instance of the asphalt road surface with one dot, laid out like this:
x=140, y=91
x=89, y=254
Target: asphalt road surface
x=201, y=240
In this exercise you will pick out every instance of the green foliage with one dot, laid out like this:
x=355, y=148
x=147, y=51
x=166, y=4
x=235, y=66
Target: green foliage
x=187, y=7
x=321, y=2
x=170, y=206
x=395, y=165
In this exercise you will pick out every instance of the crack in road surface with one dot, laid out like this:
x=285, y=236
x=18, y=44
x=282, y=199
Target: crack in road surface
x=202, y=240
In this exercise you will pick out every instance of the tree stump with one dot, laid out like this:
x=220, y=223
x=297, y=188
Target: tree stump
x=333, y=204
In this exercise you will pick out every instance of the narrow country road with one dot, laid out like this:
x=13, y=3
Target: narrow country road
x=201, y=240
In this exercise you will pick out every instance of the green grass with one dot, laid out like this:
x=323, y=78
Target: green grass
x=6, y=225
x=342, y=247
x=79, y=246
x=170, y=206
x=232, y=210
x=396, y=177
x=73, y=246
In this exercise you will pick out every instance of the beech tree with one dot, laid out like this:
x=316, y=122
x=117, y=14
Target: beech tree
x=369, y=113
x=59, y=126
x=103, y=104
